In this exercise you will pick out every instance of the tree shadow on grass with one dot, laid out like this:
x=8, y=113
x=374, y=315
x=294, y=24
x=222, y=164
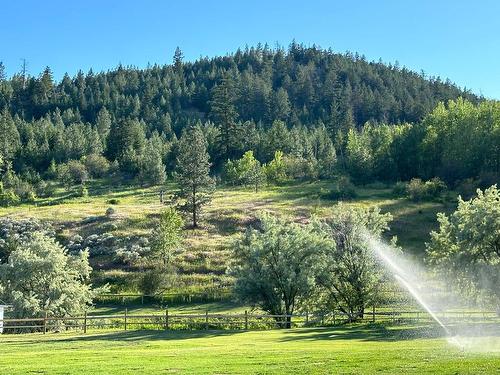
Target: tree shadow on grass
x=149, y=335
x=366, y=332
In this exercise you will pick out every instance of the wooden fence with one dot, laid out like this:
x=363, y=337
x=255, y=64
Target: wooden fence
x=245, y=321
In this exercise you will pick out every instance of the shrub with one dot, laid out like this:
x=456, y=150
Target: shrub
x=97, y=165
x=110, y=211
x=72, y=172
x=9, y=198
x=418, y=190
x=31, y=176
x=344, y=190
x=25, y=191
x=467, y=188
x=301, y=168
x=400, y=189
x=156, y=281
x=83, y=191
x=435, y=187
x=113, y=201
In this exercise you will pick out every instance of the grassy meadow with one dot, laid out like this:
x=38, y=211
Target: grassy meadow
x=206, y=254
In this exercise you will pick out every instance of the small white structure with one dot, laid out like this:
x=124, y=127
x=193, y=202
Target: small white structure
x=2, y=309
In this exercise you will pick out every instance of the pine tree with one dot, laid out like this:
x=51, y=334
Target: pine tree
x=178, y=56
x=3, y=76
x=223, y=113
x=127, y=135
x=192, y=173
x=103, y=123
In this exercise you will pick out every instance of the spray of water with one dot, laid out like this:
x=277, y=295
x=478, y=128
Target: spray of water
x=412, y=277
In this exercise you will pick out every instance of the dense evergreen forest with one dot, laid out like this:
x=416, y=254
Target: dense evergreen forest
x=304, y=113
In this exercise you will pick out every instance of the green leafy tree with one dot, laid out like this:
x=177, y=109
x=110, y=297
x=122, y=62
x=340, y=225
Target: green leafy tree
x=466, y=248
x=72, y=172
x=245, y=171
x=152, y=169
x=97, y=165
x=324, y=152
x=192, y=173
x=359, y=158
x=40, y=277
x=277, y=266
x=277, y=138
x=165, y=240
x=166, y=237
x=351, y=275
x=276, y=169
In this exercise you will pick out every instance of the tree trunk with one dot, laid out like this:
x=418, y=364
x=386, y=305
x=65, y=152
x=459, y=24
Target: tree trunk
x=288, y=319
x=195, y=224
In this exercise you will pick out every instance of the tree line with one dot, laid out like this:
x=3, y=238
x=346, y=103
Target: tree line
x=303, y=113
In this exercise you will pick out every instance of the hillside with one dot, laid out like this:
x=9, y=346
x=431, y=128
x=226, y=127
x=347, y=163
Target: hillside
x=298, y=85
x=115, y=241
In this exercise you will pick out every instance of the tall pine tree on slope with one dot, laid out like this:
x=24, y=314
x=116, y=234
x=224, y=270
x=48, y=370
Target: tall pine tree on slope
x=192, y=173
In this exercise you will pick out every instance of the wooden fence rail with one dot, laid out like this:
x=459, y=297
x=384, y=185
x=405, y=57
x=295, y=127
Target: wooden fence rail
x=241, y=321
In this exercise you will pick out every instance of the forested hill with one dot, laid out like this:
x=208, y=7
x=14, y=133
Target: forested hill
x=299, y=85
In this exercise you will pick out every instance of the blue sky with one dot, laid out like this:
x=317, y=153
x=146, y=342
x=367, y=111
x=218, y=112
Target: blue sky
x=457, y=39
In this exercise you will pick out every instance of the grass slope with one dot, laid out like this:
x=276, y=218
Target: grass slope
x=358, y=349
x=207, y=250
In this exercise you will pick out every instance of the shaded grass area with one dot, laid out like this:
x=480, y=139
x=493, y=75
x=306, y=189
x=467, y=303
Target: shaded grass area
x=356, y=349
x=226, y=307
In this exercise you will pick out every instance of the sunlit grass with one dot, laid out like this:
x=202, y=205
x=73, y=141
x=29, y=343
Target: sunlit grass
x=357, y=349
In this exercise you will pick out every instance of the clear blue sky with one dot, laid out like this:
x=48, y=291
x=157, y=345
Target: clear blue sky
x=455, y=39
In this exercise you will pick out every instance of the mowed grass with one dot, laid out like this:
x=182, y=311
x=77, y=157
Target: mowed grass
x=357, y=349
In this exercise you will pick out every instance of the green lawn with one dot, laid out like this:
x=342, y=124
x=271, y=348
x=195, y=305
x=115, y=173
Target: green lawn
x=357, y=349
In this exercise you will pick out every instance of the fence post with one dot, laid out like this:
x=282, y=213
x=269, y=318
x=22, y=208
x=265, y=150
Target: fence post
x=246, y=320
x=85, y=322
x=142, y=299
x=334, y=320
x=206, y=319
x=45, y=323
x=125, y=323
x=307, y=317
x=373, y=314
x=166, y=319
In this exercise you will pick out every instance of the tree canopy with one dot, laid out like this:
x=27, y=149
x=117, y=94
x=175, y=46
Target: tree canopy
x=41, y=277
x=466, y=248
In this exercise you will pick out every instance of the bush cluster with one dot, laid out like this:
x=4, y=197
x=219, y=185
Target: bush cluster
x=344, y=189
x=418, y=190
